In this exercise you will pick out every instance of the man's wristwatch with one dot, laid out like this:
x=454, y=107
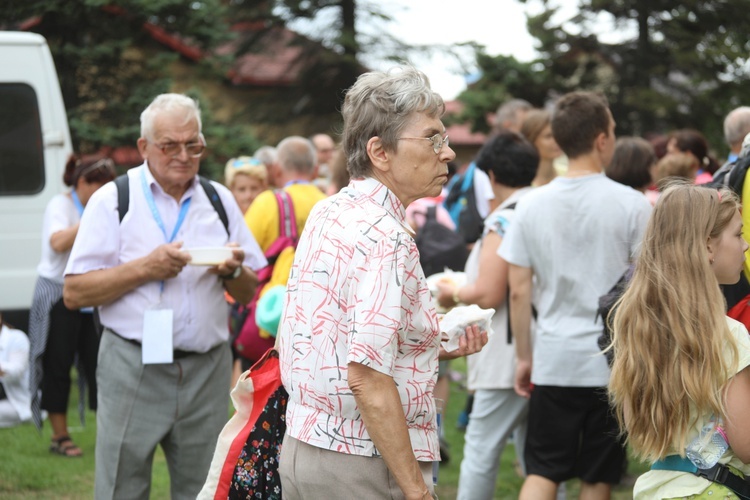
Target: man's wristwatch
x=234, y=275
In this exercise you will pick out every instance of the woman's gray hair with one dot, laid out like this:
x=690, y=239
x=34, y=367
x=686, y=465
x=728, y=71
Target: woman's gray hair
x=380, y=105
x=171, y=104
x=267, y=155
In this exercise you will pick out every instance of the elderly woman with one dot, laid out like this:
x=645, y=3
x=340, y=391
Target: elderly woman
x=359, y=337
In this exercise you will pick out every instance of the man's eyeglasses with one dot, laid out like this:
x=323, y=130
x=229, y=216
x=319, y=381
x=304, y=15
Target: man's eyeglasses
x=437, y=141
x=173, y=149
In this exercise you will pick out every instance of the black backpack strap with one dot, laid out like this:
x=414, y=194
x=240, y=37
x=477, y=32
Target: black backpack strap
x=123, y=195
x=719, y=474
x=123, y=198
x=431, y=214
x=215, y=200
x=509, y=338
x=735, y=178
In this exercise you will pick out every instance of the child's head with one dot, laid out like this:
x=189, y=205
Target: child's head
x=686, y=232
x=670, y=336
x=246, y=177
x=676, y=165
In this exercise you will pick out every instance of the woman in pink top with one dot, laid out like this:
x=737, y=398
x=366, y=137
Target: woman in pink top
x=359, y=337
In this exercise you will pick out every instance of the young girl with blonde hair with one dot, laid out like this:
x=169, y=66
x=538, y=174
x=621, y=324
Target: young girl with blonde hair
x=680, y=364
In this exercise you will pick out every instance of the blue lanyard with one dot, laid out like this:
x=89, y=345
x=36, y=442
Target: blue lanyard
x=77, y=202
x=157, y=217
x=155, y=211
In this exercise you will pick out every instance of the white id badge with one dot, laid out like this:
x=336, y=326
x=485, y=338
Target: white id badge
x=157, y=337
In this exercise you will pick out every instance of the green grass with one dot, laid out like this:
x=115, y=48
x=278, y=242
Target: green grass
x=29, y=471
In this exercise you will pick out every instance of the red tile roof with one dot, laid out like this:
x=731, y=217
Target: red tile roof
x=274, y=57
x=460, y=133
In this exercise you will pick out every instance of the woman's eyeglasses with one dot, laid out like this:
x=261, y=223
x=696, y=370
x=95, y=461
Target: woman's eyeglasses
x=437, y=140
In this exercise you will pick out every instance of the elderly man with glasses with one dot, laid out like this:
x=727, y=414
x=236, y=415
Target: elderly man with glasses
x=164, y=359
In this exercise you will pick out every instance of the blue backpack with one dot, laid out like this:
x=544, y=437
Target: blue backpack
x=461, y=204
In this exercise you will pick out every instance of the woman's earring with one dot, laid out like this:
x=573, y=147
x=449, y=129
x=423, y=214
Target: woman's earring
x=711, y=261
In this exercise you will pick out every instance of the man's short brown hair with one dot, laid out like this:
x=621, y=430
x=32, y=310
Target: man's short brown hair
x=578, y=119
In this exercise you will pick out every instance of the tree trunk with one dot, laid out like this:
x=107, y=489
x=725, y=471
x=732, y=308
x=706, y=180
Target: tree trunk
x=348, y=31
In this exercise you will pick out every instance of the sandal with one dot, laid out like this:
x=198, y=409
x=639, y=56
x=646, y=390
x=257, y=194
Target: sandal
x=65, y=446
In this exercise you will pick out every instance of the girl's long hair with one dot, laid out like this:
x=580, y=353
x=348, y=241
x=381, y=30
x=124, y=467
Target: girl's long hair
x=669, y=329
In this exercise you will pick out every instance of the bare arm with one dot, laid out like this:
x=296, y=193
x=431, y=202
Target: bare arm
x=738, y=408
x=383, y=415
x=62, y=241
x=106, y=285
x=491, y=286
x=520, y=279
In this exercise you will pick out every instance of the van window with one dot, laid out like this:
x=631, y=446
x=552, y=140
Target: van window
x=21, y=141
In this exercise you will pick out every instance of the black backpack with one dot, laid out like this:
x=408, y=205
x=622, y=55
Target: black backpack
x=439, y=247
x=461, y=203
x=606, y=306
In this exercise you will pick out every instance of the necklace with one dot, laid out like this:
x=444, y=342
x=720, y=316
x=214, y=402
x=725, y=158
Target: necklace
x=581, y=173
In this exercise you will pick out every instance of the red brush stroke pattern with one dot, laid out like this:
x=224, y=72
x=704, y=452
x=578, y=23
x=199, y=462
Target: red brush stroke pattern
x=357, y=293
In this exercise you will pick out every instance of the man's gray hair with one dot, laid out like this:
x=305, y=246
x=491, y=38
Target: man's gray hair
x=170, y=104
x=380, y=105
x=297, y=154
x=737, y=126
x=507, y=113
x=266, y=155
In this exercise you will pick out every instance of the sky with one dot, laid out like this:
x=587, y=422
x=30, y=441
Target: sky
x=499, y=25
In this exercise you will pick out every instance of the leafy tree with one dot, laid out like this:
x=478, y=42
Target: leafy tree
x=110, y=67
x=503, y=78
x=677, y=64
x=351, y=30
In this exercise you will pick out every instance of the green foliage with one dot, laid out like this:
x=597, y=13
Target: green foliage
x=108, y=64
x=225, y=140
x=676, y=64
x=503, y=78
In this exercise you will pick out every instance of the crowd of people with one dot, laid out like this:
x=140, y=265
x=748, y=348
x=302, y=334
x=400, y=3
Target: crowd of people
x=159, y=338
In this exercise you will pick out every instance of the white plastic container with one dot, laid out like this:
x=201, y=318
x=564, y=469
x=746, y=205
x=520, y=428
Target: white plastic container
x=208, y=256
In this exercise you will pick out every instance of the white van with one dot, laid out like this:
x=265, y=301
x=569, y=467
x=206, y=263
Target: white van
x=34, y=146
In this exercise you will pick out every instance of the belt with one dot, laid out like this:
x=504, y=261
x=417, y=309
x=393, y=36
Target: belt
x=719, y=473
x=176, y=354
